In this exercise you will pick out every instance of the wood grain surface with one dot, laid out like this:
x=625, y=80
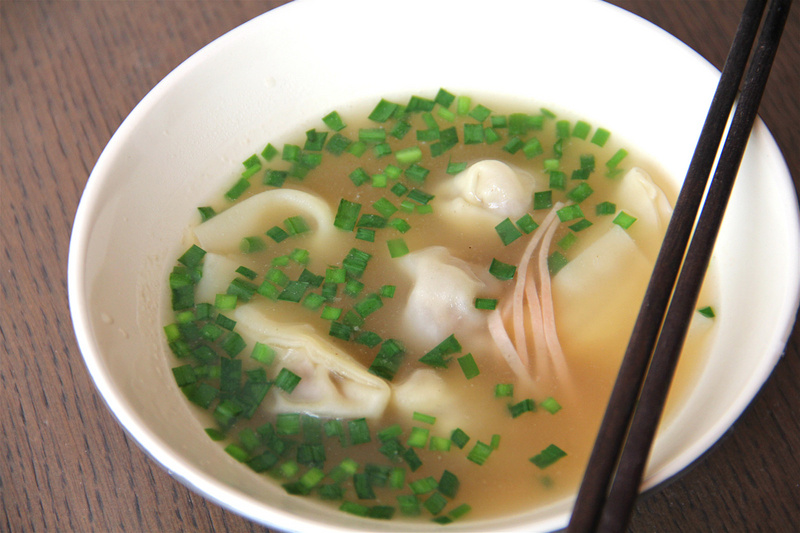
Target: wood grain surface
x=70, y=71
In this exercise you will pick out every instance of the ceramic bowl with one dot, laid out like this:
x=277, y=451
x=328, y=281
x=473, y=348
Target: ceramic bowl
x=281, y=72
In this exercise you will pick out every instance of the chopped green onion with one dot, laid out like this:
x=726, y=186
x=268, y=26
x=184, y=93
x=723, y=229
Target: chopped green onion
x=459, y=438
x=387, y=361
x=486, y=303
x=550, y=405
x=409, y=504
x=567, y=241
x=423, y=485
x=422, y=417
x=287, y=380
x=435, y=503
x=263, y=354
x=526, y=223
x=192, y=257
x=473, y=134
x=502, y=271
x=269, y=152
x=480, y=112
x=503, y=390
x=707, y=312
x=275, y=178
x=556, y=262
x=468, y=366
x=437, y=357
x=542, y=200
x=479, y=453
x=495, y=441
x=444, y=98
x=407, y=156
x=581, y=130
x=337, y=144
x=615, y=160
x=513, y=145
x=605, y=208
x=416, y=173
x=333, y=121
x=237, y=189
x=359, y=431
x=548, y=456
x=206, y=213
x=624, y=220
x=354, y=508
x=397, y=247
x=249, y=245
x=525, y=406
x=570, y=212
x=418, y=437
x=580, y=225
x=507, y=231
x=580, y=193
x=225, y=301
x=296, y=225
x=418, y=103
x=383, y=111
x=372, y=135
x=439, y=444
x=184, y=375
x=600, y=137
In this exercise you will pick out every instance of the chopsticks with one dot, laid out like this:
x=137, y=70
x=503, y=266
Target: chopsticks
x=627, y=430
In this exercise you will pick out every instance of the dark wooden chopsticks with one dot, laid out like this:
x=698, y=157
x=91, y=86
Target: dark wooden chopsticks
x=623, y=443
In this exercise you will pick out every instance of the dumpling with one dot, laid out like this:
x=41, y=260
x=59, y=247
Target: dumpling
x=592, y=302
x=332, y=384
x=257, y=214
x=442, y=300
x=640, y=197
x=486, y=193
x=425, y=391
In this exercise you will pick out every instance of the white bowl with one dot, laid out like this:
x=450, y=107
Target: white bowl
x=282, y=71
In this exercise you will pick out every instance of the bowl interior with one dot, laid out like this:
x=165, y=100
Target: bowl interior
x=275, y=75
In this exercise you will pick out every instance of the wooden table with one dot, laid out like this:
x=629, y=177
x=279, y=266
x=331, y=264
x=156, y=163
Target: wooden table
x=71, y=71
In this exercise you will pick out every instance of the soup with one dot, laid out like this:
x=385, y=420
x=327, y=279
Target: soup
x=420, y=314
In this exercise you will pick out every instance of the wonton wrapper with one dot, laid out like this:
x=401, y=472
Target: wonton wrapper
x=595, y=297
x=442, y=300
x=332, y=384
x=257, y=214
x=484, y=194
x=425, y=391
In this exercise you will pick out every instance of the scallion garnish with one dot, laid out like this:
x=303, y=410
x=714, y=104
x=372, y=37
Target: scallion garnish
x=206, y=213
x=507, y=231
x=468, y=366
x=605, y=208
x=437, y=357
x=550, y=405
x=525, y=406
x=249, y=245
x=502, y=271
x=570, y=212
x=479, y=453
x=397, y=247
x=408, y=156
x=333, y=121
x=504, y=390
x=263, y=354
x=624, y=220
x=707, y=312
x=548, y=456
x=486, y=303
x=287, y=380
x=556, y=262
x=542, y=200
x=600, y=137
